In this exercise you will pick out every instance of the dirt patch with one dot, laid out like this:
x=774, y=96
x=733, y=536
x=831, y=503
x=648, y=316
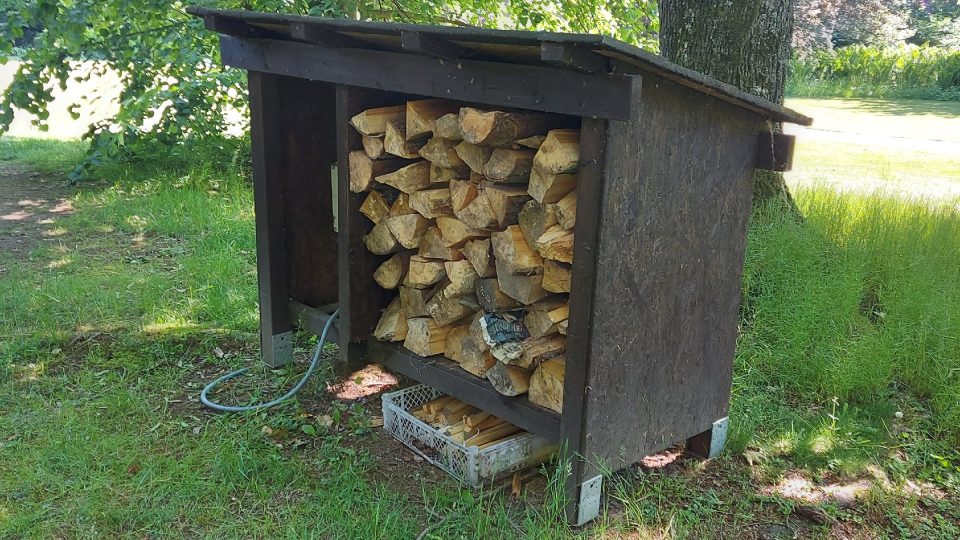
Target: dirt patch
x=31, y=204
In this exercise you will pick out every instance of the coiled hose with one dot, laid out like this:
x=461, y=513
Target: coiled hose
x=293, y=391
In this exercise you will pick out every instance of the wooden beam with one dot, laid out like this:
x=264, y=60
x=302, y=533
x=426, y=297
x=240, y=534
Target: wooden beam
x=492, y=83
x=569, y=55
x=775, y=151
x=325, y=36
x=419, y=43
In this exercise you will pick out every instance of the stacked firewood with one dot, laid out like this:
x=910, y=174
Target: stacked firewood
x=465, y=424
x=476, y=210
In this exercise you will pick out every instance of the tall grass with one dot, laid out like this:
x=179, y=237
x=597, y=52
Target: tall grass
x=909, y=71
x=859, y=301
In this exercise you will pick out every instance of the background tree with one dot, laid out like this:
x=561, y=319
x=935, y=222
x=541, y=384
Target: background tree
x=746, y=44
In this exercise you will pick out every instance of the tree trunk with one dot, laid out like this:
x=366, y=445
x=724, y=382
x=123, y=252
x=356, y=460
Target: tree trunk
x=745, y=43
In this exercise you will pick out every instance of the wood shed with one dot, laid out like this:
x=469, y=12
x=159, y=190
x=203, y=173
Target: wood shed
x=423, y=177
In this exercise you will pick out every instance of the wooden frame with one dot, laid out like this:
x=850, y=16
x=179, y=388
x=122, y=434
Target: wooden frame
x=664, y=187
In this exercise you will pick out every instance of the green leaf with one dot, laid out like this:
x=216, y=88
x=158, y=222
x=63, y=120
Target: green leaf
x=309, y=430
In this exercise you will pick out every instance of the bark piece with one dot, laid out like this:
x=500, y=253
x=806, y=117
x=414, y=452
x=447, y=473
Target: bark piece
x=557, y=244
x=364, y=170
x=506, y=202
x=474, y=156
x=392, y=325
x=455, y=232
x=380, y=241
x=560, y=152
x=408, y=179
x=423, y=273
x=478, y=253
x=534, y=219
x=498, y=128
x=514, y=254
x=490, y=296
x=548, y=187
x=448, y=127
x=408, y=229
x=525, y=289
x=374, y=121
x=375, y=207
x=373, y=146
x=567, y=210
x=421, y=115
x=396, y=142
x=508, y=165
x=546, y=384
x=508, y=380
x=431, y=203
x=425, y=337
x=442, y=153
x=556, y=276
x=390, y=274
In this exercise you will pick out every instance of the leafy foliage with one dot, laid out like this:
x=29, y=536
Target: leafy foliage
x=175, y=93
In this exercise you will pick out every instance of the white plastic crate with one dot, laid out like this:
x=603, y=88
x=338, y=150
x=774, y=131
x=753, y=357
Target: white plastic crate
x=468, y=464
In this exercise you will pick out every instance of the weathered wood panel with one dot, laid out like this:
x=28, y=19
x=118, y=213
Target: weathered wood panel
x=676, y=202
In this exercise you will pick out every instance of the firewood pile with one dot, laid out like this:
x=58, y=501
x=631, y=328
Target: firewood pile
x=475, y=209
x=466, y=425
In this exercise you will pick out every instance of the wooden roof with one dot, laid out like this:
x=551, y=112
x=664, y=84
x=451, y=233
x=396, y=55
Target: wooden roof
x=583, y=53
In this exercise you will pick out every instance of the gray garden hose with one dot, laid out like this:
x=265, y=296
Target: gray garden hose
x=293, y=391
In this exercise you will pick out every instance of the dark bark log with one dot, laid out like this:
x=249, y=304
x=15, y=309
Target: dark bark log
x=746, y=44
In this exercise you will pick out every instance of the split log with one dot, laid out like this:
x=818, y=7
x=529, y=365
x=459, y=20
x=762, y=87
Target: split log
x=364, y=170
x=425, y=337
x=560, y=314
x=448, y=127
x=506, y=202
x=546, y=384
x=462, y=193
x=498, y=128
x=442, y=175
x=445, y=309
x=533, y=141
x=560, y=152
x=401, y=206
x=567, y=210
x=407, y=179
x=524, y=289
x=396, y=142
x=392, y=325
x=413, y=302
x=474, y=156
x=536, y=351
x=486, y=438
x=423, y=273
x=549, y=187
x=431, y=203
x=562, y=327
x=408, y=229
x=478, y=214
x=461, y=276
x=389, y=274
x=442, y=153
x=375, y=207
x=557, y=244
x=476, y=359
x=512, y=252
x=556, y=276
x=509, y=165
x=534, y=219
x=478, y=253
x=538, y=324
x=433, y=247
x=455, y=232
x=508, y=380
x=380, y=241
x=374, y=121
x=373, y=146
x=490, y=296
x=453, y=344
x=421, y=115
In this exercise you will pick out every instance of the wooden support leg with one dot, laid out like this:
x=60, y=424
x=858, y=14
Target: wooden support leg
x=588, y=501
x=268, y=167
x=710, y=443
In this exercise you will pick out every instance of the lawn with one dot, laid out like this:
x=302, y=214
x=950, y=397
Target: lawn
x=847, y=381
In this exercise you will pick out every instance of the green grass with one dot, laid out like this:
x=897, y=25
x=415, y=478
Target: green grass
x=109, y=331
x=47, y=155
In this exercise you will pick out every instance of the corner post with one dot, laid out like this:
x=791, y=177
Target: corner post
x=266, y=133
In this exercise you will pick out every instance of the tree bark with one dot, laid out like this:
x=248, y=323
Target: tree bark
x=745, y=43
